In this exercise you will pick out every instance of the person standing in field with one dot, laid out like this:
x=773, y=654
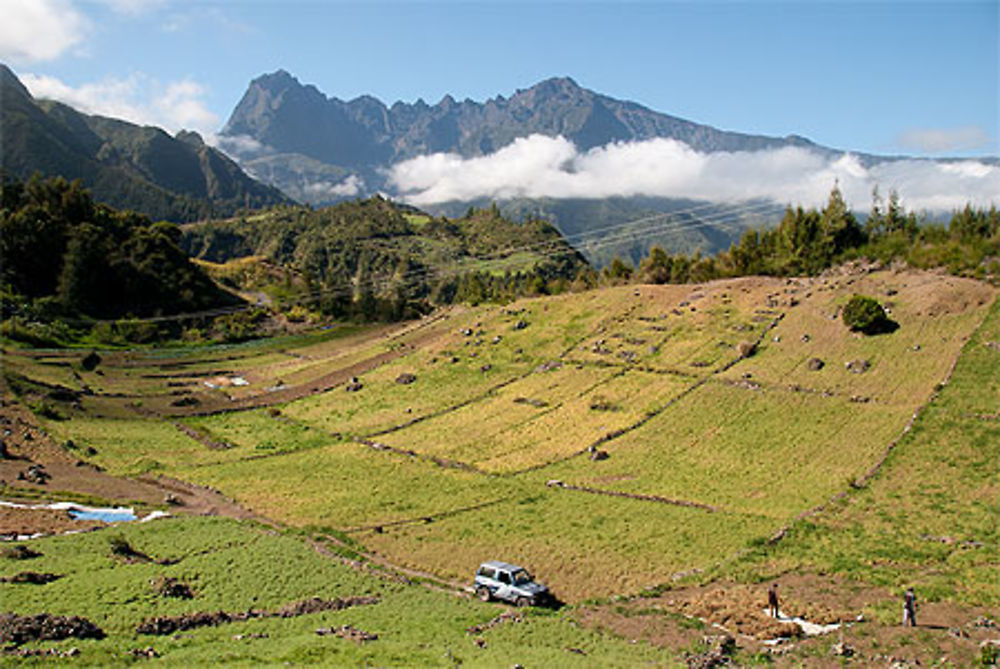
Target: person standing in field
x=772, y=600
x=909, y=608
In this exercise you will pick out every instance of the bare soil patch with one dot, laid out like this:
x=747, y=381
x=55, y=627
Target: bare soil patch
x=28, y=445
x=169, y=624
x=45, y=627
x=682, y=618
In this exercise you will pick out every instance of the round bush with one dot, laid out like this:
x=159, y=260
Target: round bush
x=865, y=314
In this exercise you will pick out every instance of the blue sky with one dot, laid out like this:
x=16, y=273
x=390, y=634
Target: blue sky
x=918, y=78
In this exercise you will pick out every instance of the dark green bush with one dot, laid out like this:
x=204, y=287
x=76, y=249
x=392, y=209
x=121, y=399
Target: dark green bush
x=865, y=314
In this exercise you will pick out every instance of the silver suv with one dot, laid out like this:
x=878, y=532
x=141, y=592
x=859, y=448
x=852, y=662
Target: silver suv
x=499, y=580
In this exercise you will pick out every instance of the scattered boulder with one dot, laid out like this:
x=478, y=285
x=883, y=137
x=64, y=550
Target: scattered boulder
x=90, y=361
x=859, y=366
x=815, y=364
x=520, y=325
x=34, y=474
x=598, y=455
x=148, y=652
x=720, y=650
x=745, y=349
x=354, y=386
x=485, y=368
x=348, y=632
x=842, y=650
x=538, y=404
x=406, y=378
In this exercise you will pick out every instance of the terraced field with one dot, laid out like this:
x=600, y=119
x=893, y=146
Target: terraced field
x=473, y=434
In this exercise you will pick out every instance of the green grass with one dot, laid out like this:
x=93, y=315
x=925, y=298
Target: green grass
x=235, y=567
x=580, y=544
x=764, y=441
x=346, y=485
x=768, y=453
x=935, y=494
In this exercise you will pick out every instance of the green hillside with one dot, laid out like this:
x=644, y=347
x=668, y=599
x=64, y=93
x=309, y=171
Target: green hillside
x=66, y=258
x=470, y=435
x=125, y=165
x=387, y=260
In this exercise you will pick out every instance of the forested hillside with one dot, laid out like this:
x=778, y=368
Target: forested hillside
x=376, y=259
x=65, y=257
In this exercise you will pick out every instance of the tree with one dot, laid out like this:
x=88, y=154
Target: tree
x=840, y=228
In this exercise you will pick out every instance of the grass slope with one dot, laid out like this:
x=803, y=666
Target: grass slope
x=235, y=567
x=928, y=518
x=711, y=450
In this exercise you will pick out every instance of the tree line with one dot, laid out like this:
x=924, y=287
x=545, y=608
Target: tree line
x=808, y=241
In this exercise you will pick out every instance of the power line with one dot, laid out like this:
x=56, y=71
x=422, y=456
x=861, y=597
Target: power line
x=645, y=228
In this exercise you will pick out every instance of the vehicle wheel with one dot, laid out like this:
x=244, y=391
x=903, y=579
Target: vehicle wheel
x=523, y=601
x=484, y=593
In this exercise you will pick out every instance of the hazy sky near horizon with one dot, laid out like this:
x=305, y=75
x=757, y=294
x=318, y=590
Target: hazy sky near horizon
x=915, y=78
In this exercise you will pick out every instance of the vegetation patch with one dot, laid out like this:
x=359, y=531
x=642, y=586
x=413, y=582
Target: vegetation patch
x=865, y=314
x=17, y=629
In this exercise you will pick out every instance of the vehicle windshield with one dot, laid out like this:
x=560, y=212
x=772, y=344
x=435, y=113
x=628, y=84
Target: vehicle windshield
x=521, y=577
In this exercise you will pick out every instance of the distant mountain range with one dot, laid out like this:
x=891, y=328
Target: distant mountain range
x=320, y=149
x=301, y=137
x=125, y=165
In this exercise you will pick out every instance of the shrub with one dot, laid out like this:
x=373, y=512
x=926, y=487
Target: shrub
x=865, y=314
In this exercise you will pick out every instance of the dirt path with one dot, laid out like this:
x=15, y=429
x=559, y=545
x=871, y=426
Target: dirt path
x=215, y=404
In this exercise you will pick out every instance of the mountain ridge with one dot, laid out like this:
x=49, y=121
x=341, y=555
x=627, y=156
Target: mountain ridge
x=128, y=166
x=364, y=131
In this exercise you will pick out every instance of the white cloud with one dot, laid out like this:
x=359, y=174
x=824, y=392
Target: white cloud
x=540, y=166
x=943, y=140
x=137, y=98
x=242, y=146
x=323, y=190
x=39, y=30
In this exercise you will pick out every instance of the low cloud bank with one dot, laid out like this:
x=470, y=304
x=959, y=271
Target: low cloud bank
x=541, y=166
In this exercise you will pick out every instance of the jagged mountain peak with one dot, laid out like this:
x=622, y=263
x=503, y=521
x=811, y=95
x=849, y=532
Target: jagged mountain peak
x=278, y=80
x=364, y=136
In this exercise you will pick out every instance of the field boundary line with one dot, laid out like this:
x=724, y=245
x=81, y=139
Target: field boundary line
x=876, y=468
x=378, y=528
x=637, y=496
x=615, y=434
